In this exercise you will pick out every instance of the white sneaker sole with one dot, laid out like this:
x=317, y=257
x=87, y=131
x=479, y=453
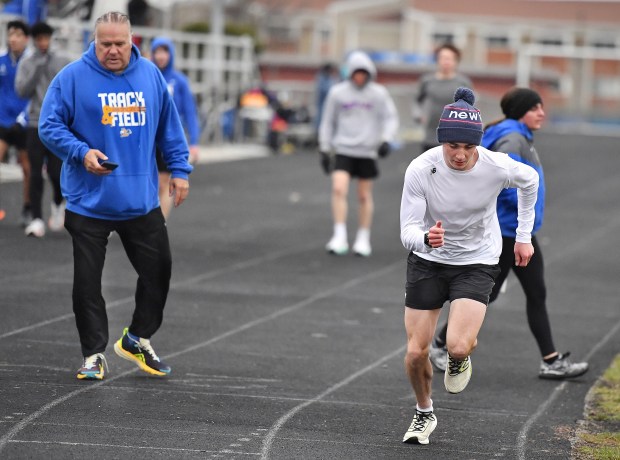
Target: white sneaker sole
x=337, y=251
x=362, y=253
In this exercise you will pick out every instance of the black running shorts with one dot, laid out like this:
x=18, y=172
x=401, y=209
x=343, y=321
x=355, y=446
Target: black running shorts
x=14, y=135
x=363, y=168
x=430, y=284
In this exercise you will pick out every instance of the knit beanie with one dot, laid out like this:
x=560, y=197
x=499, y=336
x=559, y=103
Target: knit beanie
x=518, y=101
x=460, y=122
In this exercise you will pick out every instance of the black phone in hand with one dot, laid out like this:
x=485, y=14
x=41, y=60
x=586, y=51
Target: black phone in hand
x=109, y=165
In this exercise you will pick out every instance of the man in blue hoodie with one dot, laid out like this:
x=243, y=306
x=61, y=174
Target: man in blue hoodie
x=162, y=54
x=103, y=115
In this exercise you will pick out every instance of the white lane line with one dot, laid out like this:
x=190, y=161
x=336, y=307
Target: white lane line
x=291, y=308
x=124, y=446
x=580, y=245
x=195, y=279
x=270, y=436
x=522, y=437
x=45, y=408
x=444, y=403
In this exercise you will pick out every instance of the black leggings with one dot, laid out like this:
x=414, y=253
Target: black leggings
x=532, y=279
x=38, y=154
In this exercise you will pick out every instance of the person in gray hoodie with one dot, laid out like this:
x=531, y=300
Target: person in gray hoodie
x=34, y=74
x=359, y=122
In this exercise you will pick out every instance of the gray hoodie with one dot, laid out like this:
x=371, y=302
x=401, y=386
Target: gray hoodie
x=355, y=120
x=34, y=75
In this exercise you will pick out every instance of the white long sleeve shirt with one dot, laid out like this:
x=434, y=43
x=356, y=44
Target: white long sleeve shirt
x=465, y=203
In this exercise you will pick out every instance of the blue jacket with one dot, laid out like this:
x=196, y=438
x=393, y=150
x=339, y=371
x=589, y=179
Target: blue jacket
x=515, y=139
x=12, y=106
x=124, y=116
x=178, y=86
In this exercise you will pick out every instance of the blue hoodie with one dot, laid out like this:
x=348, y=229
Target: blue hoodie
x=13, y=106
x=178, y=86
x=124, y=116
x=515, y=138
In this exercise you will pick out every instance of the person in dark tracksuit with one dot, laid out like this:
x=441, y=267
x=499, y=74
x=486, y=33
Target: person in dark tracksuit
x=524, y=113
x=34, y=74
x=104, y=115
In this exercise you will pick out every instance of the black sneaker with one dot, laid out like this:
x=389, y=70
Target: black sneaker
x=141, y=353
x=562, y=368
x=421, y=428
x=26, y=217
x=93, y=367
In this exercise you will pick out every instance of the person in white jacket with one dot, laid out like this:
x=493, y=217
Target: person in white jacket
x=449, y=224
x=358, y=123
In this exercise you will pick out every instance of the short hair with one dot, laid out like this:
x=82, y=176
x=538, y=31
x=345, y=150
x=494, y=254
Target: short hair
x=41, y=28
x=113, y=17
x=17, y=24
x=450, y=47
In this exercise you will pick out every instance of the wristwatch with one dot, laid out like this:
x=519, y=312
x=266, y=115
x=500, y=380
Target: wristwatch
x=426, y=242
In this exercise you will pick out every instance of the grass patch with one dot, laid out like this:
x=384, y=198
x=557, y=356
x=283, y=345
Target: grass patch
x=599, y=436
x=607, y=394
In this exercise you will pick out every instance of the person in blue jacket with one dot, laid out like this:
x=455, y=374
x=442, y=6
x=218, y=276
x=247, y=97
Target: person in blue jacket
x=162, y=54
x=103, y=115
x=514, y=135
x=14, y=108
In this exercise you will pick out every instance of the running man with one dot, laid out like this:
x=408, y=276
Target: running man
x=449, y=224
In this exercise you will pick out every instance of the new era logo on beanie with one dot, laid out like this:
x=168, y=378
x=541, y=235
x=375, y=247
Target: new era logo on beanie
x=460, y=122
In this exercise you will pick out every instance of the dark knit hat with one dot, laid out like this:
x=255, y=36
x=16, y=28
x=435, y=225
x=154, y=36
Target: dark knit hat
x=460, y=122
x=518, y=101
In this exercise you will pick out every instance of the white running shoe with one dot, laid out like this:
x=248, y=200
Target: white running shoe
x=337, y=246
x=421, y=428
x=438, y=356
x=362, y=247
x=56, y=221
x=35, y=228
x=457, y=374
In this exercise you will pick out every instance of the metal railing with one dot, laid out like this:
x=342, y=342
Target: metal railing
x=218, y=68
